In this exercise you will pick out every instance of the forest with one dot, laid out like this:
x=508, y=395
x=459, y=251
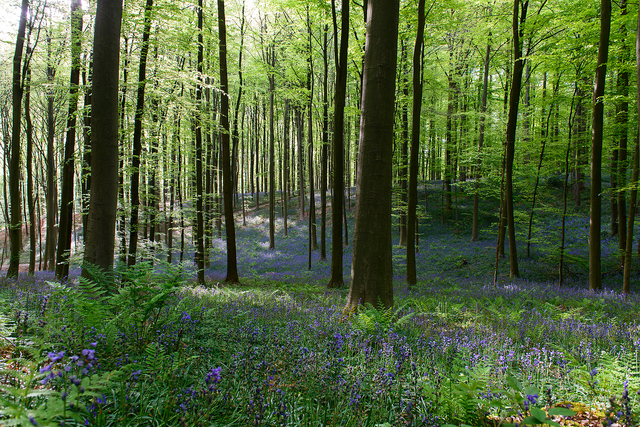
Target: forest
x=319, y=213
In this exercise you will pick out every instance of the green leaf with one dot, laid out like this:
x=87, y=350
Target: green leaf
x=559, y=410
x=531, y=421
x=538, y=414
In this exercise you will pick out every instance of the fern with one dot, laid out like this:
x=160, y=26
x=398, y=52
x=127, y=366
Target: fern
x=369, y=318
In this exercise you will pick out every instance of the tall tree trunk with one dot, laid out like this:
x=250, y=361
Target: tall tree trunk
x=199, y=177
x=271, y=61
x=622, y=119
x=30, y=202
x=312, y=193
x=535, y=185
x=475, y=229
x=325, y=147
x=86, y=152
x=336, y=280
x=99, y=248
x=137, y=136
x=232, y=267
x=404, y=155
x=626, y=283
x=51, y=203
x=371, y=271
x=595, y=277
x=15, y=230
x=572, y=118
x=415, y=147
x=285, y=167
x=514, y=100
x=67, y=194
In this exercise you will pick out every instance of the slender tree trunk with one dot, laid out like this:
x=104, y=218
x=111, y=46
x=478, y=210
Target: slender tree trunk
x=86, y=152
x=415, y=147
x=99, y=248
x=325, y=147
x=271, y=60
x=626, y=283
x=137, y=136
x=371, y=271
x=404, y=169
x=30, y=202
x=514, y=100
x=51, y=203
x=595, y=277
x=67, y=196
x=313, y=240
x=199, y=171
x=483, y=111
x=15, y=229
x=336, y=280
x=622, y=120
x=285, y=166
x=535, y=185
x=232, y=267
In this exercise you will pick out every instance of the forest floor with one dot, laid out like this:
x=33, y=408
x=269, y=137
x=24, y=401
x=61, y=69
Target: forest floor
x=277, y=350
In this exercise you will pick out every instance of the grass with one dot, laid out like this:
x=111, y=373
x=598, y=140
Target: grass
x=277, y=350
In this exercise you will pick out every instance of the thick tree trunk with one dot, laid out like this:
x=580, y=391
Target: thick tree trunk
x=371, y=271
x=595, y=277
x=15, y=229
x=99, y=248
x=337, y=280
x=67, y=194
x=137, y=136
x=415, y=148
x=232, y=267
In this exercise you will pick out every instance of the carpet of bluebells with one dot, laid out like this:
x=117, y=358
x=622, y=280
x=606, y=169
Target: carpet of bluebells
x=277, y=350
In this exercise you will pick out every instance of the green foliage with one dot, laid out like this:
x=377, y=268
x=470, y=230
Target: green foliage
x=371, y=319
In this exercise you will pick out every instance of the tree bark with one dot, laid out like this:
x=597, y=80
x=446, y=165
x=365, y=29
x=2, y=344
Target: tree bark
x=336, y=280
x=371, y=271
x=475, y=228
x=514, y=100
x=30, y=201
x=199, y=178
x=415, y=148
x=626, y=282
x=325, y=147
x=99, y=248
x=66, y=196
x=232, y=267
x=15, y=230
x=51, y=203
x=137, y=136
x=595, y=277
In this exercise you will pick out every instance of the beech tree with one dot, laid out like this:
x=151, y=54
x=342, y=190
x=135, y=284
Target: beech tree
x=15, y=230
x=66, y=196
x=595, y=276
x=101, y=222
x=371, y=270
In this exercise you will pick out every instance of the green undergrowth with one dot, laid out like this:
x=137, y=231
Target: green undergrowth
x=157, y=350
